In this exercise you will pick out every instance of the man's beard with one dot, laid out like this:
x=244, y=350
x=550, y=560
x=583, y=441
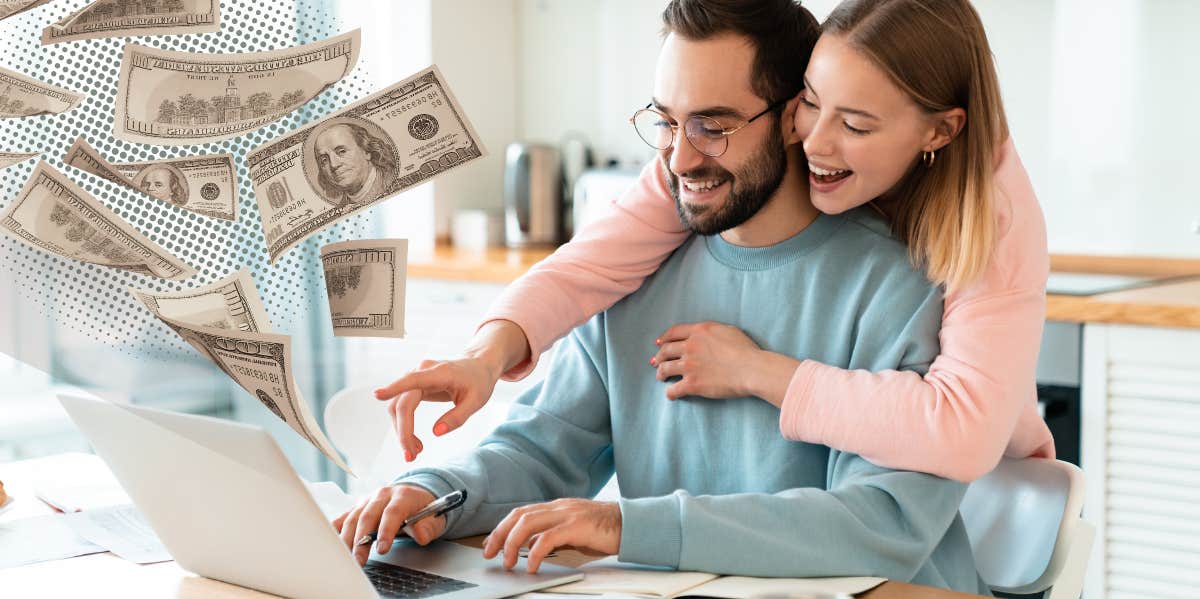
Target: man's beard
x=749, y=189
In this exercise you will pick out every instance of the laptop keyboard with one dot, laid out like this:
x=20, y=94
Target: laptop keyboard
x=398, y=581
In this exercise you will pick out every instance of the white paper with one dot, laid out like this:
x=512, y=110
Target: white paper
x=610, y=576
x=330, y=498
x=122, y=530
x=40, y=539
x=72, y=482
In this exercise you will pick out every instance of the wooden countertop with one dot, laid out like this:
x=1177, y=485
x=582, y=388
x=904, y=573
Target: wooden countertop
x=494, y=265
x=1173, y=304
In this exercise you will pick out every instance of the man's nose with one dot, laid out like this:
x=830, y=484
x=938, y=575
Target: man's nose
x=684, y=156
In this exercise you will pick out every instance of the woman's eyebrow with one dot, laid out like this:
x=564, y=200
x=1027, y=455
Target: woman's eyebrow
x=844, y=109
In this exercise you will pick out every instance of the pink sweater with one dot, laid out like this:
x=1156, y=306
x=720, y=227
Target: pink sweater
x=977, y=402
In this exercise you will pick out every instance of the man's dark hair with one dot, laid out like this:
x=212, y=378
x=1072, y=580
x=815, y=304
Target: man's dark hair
x=782, y=31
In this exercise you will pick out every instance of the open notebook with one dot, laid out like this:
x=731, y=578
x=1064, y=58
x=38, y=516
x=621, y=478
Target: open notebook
x=610, y=576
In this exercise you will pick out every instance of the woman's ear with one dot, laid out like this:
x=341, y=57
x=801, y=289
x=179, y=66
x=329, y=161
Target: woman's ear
x=946, y=126
x=787, y=122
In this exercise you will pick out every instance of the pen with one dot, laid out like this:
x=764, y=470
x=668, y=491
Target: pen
x=437, y=507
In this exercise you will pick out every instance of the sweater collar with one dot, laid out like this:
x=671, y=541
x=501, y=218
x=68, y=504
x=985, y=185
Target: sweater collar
x=772, y=256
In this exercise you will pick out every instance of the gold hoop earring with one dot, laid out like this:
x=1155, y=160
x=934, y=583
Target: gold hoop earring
x=928, y=158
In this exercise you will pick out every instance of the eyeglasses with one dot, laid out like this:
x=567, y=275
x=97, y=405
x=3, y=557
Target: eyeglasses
x=705, y=134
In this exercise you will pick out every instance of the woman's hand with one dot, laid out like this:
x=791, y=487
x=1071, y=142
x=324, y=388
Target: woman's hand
x=720, y=361
x=467, y=382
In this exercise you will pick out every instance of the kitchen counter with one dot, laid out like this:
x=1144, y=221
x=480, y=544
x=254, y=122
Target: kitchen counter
x=1175, y=303
x=494, y=265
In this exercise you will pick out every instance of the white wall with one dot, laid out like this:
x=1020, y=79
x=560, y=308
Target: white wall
x=475, y=46
x=1100, y=94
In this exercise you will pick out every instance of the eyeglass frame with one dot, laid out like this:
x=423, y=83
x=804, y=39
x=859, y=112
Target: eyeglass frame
x=725, y=133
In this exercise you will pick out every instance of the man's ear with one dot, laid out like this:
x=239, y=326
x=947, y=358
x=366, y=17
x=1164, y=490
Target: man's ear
x=946, y=126
x=787, y=122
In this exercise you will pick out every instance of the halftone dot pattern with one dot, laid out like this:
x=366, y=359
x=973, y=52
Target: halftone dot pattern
x=93, y=299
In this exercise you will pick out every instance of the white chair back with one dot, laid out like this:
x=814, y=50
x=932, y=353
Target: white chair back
x=361, y=428
x=1023, y=521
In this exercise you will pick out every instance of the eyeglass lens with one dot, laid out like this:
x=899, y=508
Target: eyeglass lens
x=704, y=133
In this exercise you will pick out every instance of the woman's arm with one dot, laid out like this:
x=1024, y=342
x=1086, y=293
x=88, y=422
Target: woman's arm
x=606, y=261
x=603, y=263
x=979, y=396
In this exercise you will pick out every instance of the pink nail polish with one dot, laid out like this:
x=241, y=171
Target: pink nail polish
x=408, y=456
x=653, y=362
x=440, y=429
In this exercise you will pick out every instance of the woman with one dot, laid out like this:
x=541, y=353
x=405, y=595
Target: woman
x=884, y=73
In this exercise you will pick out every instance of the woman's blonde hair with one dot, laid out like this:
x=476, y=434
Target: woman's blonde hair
x=936, y=51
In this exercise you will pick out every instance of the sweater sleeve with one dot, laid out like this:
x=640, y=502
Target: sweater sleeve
x=556, y=442
x=603, y=263
x=870, y=522
x=978, y=397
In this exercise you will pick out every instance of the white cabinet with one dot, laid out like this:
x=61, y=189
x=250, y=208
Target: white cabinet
x=1141, y=454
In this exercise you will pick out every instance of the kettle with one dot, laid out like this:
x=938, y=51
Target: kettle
x=533, y=195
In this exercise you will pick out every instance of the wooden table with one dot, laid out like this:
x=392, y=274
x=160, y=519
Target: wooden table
x=104, y=575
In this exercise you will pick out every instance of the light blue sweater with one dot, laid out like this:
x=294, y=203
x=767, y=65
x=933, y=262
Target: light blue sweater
x=711, y=485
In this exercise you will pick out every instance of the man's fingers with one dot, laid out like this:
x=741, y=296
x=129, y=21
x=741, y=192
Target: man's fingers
x=337, y=522
x=495, y=541
x=527, y=525
x=669, y=369
x=393, y=516
x=350, y=526
x=675, y=333
x=543, y=544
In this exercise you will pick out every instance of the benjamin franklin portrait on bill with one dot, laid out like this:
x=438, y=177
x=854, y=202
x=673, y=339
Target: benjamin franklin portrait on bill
x=354, y=162
x=164, y=182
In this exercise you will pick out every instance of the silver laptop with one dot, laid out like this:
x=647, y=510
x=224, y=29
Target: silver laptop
x=227, y=505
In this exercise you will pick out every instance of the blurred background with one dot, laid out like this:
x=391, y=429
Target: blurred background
x=1100, y=97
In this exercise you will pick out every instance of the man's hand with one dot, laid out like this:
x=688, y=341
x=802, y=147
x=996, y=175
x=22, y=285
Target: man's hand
x=383, y=513
x=593, y=527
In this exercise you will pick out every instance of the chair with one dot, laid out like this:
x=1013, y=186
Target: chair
x=1023, y=521
x=359, y=426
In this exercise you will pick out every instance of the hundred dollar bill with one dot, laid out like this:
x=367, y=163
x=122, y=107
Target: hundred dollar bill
x=181, y=98
x=55, y=215
x=21, y=96
x=260, y=363
x=206, y=185
x=365, y=282
x=8, y=159
x=376, y=148
x=9, y=8
x=106, y=18
x=232, y=304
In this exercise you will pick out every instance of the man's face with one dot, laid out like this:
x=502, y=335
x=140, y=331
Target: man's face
x=341, y=159
x=712, y=78
x=158, y=184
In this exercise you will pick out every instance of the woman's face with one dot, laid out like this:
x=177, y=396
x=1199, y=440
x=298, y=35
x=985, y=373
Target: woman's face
x=861, y=132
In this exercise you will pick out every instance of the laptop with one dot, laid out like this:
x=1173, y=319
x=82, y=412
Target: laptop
x=227, y=504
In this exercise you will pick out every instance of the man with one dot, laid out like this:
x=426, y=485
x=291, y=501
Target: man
x=161, y=182
x=355, y=166
x=711, y=485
